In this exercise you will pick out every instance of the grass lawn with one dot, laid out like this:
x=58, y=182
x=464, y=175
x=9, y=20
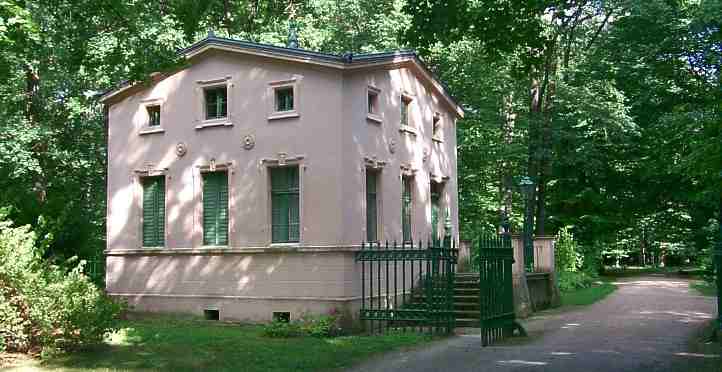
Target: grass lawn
x=187, y=344
x=587, y=296
x=705, y=288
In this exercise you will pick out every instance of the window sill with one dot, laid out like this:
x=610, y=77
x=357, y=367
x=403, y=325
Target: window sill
x=284, y=115
x=437, y=139
x=374, y=118
x=285, y=245
x=407, y=129
x=211, y=250
x=151, y=131
x=214, y=123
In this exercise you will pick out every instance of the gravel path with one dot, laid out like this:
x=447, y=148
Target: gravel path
x=645, y=325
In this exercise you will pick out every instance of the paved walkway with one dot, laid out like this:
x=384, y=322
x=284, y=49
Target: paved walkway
x=643, y=326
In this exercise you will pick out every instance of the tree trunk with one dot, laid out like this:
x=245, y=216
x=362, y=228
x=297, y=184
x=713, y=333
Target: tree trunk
x=506, y=183
x=32, y=108
x=536, y=93
x=544, y=166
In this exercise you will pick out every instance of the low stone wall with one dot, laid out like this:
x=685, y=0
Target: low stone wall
x=537, y=289
x=540, y=293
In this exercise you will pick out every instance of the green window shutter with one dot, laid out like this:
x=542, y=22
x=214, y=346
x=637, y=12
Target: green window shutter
x=285, y=221
x=154, y=211
x=215, y=208
x=371, y=206
x=406, y=208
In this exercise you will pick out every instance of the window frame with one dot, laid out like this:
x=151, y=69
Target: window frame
x=438, y=189
x=405, y=110
x=407, y=211
x=277, y=99
x=292, y=83
x=288, y=191
x=206, y=91
x=201, y=116
x=145, y=127
x=377, y=198
x=374, y=115
x=150, y=113
x=437, y=127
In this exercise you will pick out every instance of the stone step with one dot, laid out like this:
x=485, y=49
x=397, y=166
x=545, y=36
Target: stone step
x=467, y=322
x=466, y=306
x=467, y=314
x=466, y=283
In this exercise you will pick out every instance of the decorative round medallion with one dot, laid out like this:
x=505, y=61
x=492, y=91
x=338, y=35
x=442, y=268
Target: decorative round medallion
x=392, y=146
x=181, y=149
x=248, y=141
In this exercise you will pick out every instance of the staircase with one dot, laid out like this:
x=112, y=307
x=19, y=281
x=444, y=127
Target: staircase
x=466, y=300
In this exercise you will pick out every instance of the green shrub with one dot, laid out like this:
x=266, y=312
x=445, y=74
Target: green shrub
x=569, y=281
x=281, y=329
x=46, y=305
x=567, y=256
x=320, y=326
x=307, y=325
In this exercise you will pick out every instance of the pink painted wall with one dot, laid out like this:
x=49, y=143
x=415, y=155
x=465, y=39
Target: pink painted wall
x=331, y=135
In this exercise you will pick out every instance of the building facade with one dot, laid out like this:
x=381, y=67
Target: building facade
x=244, y=182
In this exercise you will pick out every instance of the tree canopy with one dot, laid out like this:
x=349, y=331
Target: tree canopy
x=612, y=107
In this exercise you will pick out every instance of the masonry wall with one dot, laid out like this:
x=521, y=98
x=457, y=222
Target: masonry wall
x=251, y=278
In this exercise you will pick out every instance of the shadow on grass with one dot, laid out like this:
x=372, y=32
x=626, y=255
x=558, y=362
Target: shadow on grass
x=180, y=345
x=587, y=296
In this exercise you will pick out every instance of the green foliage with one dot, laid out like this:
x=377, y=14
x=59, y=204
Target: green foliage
x=587, y=296
x=568, y=258
x=705, y=288
x=569, y=281
x=281, y=329
x=46, y=305
x=306, y=325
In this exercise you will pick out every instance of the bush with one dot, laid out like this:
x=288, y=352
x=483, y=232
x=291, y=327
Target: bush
x=307, y=325
x=569, y=281
x=281, y=329
x=567, y=255
x=46, y=305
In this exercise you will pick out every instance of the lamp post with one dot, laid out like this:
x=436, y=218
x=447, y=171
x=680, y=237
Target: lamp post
x=527, y=188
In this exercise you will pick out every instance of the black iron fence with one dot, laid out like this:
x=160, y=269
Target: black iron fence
x=496, y=287
x=408, y=286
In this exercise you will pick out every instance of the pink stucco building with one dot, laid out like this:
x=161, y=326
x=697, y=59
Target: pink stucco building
x=244, y=182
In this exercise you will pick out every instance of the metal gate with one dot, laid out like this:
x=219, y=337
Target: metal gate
x=408, y=286
x=496, y=288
